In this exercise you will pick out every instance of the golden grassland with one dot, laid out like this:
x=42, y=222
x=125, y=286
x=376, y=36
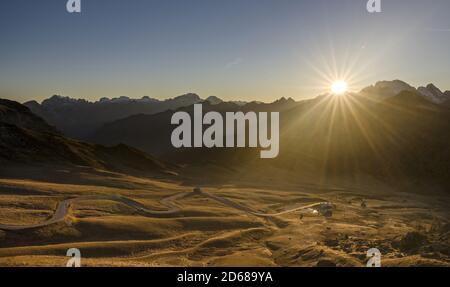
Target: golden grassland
x=204, y=232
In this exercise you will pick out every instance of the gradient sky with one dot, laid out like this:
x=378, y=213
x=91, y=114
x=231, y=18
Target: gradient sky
x=233, y=49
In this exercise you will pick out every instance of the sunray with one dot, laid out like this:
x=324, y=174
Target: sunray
x=388, y=129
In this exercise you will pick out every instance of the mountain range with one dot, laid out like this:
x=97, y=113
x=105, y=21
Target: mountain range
x=79, y=118
x=27, y=139
x=386, y=89
x=389, y=130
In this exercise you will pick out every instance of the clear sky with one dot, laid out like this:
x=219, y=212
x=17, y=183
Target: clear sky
x=233, y=49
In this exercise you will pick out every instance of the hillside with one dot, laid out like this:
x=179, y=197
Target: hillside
x=402, y=136
x=152, y=133
x=27, y=139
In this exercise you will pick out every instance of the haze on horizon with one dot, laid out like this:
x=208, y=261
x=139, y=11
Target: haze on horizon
x=235, y=50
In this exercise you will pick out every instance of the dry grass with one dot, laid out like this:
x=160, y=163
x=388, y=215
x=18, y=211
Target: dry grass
x=207, y=233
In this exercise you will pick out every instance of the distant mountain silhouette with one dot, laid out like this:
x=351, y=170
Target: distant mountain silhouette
x=390, y=130
x=404, y=136
x=386, y=89
x=434, y=94
x=213, y=100
x=152, y=133
x=79, y=118
x=27, y=139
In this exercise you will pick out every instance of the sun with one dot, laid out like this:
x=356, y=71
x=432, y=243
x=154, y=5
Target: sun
x=339, y=87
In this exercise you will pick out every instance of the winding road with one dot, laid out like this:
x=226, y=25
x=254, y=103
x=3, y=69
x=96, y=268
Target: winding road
x=63, y=208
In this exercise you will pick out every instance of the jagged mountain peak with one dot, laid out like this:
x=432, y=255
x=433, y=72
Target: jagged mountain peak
x=386, y=89
x=213, y=100
x=433, y=94
x=188, y=96
x=285, y=100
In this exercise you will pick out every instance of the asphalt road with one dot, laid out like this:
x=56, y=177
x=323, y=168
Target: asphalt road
x=63, y=208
